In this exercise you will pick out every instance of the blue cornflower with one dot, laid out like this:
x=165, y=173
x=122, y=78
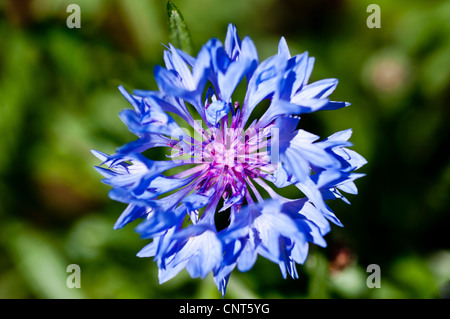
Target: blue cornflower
x=230, y=166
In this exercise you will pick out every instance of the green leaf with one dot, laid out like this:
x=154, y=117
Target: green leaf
x=179, y=34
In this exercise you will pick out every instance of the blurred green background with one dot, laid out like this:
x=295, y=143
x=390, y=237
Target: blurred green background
x=59, y=100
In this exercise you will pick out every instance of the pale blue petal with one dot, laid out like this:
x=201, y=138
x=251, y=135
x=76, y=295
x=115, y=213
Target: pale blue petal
x=216, y=111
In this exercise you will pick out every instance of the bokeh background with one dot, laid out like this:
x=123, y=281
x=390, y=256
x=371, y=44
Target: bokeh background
x=59, y=100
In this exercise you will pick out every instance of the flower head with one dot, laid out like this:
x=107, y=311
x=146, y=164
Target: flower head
x=228, y=165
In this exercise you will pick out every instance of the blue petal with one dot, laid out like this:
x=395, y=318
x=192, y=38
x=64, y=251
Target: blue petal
x=296, y=165
x=171, y=84
x=233, y=200
x=168, y=57
x=247, y=258
x=303, y=208
x=248, y=52
x=338, y=139
x=207, y=257
x=158, y=224
x=262, y=83
x=351, y=157
x=100, y=155
x=135, y=102
x=167, y=104
x=196, y=201
x=161, y=184
x=280, y=107
x=302, y=67
x=314, y=195
x=222, y=282
x=232, y=42
x=216, y=111
x=235, y=72
x=132, y=121
x=281, y=177
x=283, y=49
x=280, y=222
x=320, y=89
x=144, y=143
x=312, y=152
x=183, y=70
x=348, y=187
x=148, y=251
x=333, y=105
x=131, y=213
x=308, y=71
x=300, y=251
x=286, y=125
x=170, y=271
x=311, y=231
x=201, y=249
x=154, y=121
x=155, y=169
